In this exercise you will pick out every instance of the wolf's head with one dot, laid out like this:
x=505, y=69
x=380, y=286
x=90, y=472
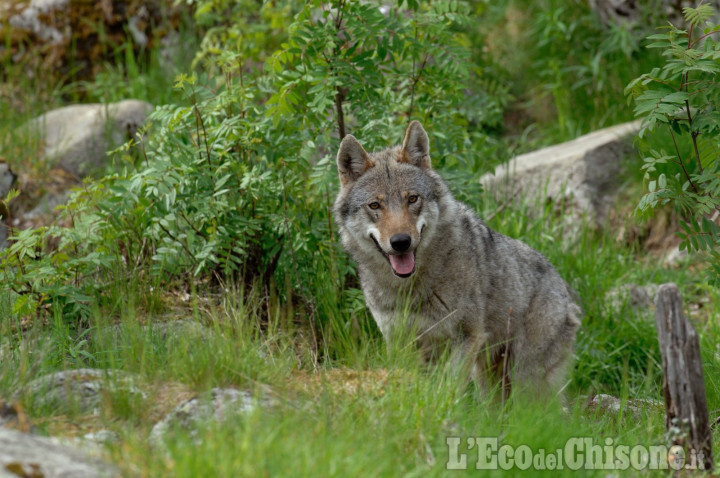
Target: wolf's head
x=7, y=178
x=387, y=207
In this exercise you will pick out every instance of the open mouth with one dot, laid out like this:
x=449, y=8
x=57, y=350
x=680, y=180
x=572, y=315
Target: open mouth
x=403, y=265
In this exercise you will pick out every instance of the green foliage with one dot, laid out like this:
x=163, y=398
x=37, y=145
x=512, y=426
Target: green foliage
x=144, y=76
x=376, y=68
x=34, y=279
x=205, y=198
x=227, y=196
x=236, y=181
x=681, y=99
x=565, y=67
x=249, y=28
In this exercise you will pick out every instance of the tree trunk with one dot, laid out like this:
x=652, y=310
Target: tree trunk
x=686, y=410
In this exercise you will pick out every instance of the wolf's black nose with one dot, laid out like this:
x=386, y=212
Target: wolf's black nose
x=400, y=242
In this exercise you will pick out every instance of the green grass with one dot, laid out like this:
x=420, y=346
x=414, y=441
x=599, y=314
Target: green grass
x=347, y=406
x=359, y=411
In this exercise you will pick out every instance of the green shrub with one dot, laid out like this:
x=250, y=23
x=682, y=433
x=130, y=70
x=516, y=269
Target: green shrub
x=680, y=99
x=237, y=181
x=556, y=69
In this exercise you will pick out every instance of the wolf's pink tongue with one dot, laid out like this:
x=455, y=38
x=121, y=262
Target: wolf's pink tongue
x=403, y=264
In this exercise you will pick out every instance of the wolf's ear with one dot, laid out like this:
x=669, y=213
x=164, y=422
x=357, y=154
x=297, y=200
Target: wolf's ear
x=416, y=146
x=352, y=160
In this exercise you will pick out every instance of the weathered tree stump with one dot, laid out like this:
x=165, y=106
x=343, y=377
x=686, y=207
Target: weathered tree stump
x=684, y=387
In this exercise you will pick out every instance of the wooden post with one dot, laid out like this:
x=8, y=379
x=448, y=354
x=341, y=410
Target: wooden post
x=683, y=386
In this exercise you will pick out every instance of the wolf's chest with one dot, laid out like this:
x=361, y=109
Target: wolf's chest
x=430, y=317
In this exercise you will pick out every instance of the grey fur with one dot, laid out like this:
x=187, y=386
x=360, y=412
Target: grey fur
x=479, y=292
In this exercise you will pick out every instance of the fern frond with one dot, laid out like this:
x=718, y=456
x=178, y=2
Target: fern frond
x=699, y=15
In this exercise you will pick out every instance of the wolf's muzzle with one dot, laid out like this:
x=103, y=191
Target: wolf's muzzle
x=401, y=242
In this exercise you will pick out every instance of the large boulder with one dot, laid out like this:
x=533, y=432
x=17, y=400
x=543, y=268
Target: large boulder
x=583, y=173
x=637, y=297
x=631, y=408
x=33, y=456
x=77, y=137
x=82, y=390
x=217, y=405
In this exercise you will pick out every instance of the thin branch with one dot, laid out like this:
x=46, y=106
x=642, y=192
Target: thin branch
x=304, y=293
x=199, y=120
x=430, y=328
x=505, y=204
x=694, y=134
x=416, y=79
x=341, y=12
x=505, y=382
x=200, y=123
x=686, y=82
x=693, y=43
x=184, y=246
x=192, y=226
x=682, y=164
x=339, y=93
x=666, y=83
x=339, y=98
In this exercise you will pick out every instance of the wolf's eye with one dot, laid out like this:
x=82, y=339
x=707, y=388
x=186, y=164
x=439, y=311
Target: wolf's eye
x=412, y=199
x=374, y=205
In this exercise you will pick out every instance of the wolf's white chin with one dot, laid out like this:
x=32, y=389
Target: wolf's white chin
x=403, y=264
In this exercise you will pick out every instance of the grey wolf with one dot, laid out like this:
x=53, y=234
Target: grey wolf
x=497, y=306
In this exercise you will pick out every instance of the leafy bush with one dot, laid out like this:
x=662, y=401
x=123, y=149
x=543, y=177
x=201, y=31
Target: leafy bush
x=681, y=100
x=564, y=69
x=237, y=182
x=246, y=27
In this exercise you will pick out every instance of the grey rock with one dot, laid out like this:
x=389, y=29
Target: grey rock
x=629, y=13
x=138, y=36
x=171, y=49
x=182, y=329
x=636, y=296
x=46, y=205
x=101, y=437
x=616, y=11
x=675, y=257
x=633, y=408
x=77, y=137
x=582, y=173
x=92, y=444
x=30, y=19
x=28, y=455
x=171, y=332
x=7, y=178
x=78, y=390
x=218, y=404
x=7, y=181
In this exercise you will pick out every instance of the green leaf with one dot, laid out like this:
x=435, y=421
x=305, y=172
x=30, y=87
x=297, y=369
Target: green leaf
x=698, y=15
